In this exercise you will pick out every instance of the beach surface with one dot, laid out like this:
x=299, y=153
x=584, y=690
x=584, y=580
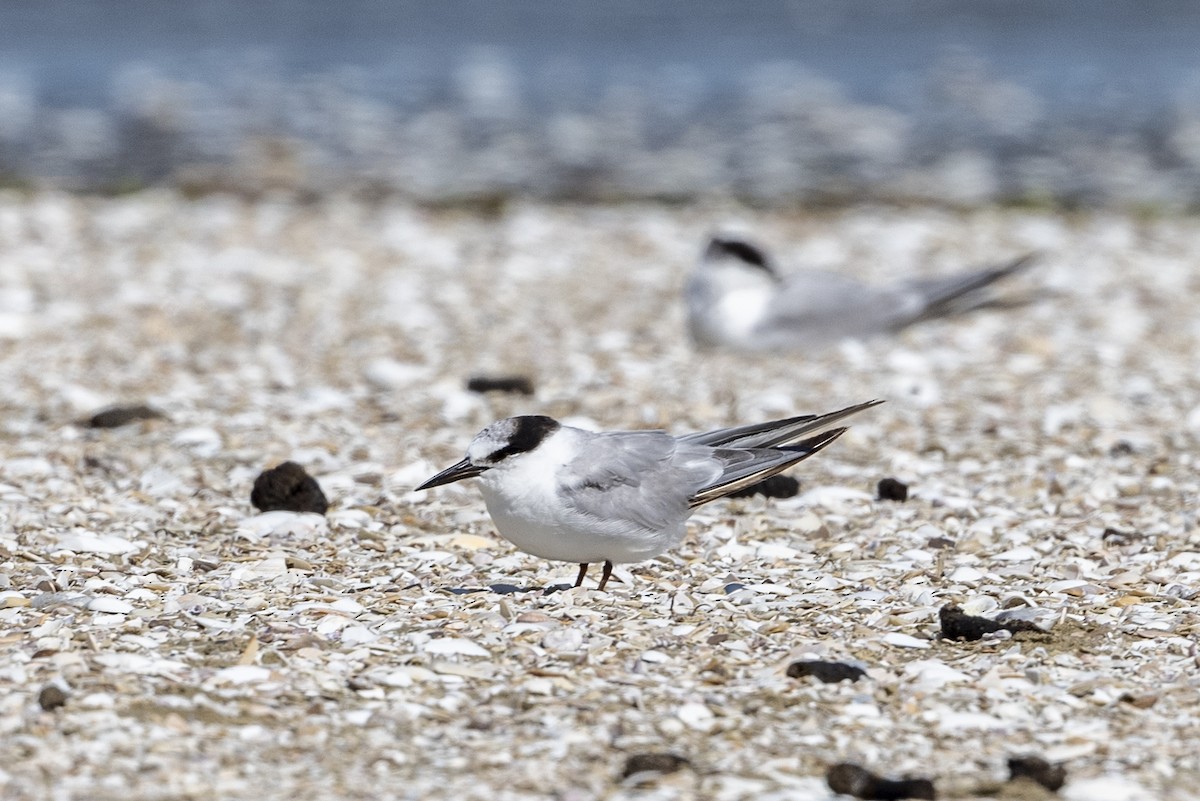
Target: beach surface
x=161, y=639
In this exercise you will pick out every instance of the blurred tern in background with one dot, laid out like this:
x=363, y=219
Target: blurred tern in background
x=571, y=495
x=737, y=299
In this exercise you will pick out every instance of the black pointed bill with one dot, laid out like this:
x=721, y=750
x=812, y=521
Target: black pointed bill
x=457, y=472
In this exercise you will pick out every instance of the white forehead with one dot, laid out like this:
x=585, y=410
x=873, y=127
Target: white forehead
x=491, y=439
x=510, y=437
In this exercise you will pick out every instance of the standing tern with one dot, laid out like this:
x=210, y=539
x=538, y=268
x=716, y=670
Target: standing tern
x=736, y=298
x=571, y=495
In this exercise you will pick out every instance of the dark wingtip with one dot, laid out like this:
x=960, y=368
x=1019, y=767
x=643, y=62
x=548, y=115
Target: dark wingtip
x=814, y=444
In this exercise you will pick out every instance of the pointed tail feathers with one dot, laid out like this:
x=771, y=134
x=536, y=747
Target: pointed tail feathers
x=776, y=432
x=957, y=294
x=766, y=463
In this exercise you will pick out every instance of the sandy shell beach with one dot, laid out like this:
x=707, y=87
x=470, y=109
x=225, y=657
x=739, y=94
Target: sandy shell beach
x=161, y=639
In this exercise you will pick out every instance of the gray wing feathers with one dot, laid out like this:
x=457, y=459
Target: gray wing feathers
x=815, y=306
x=645, y=477
x=778, y=432
x=652, y=479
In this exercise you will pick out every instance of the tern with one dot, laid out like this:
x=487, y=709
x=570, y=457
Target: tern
x=736, y=298
x=570, y=495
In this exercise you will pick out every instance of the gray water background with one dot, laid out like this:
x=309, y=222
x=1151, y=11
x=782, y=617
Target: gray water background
x=775, y=101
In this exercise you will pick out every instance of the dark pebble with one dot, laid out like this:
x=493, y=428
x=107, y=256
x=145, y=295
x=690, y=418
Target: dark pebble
x=859, y=782
x=509, y=589
x=288, y=488
x=773, y=487
x=116, y=416
x=1115, y=536
x=958, y=625
x=1049, y=775
x=890, y=489
x=659, y=763
x=51, y=697
x=516, y=384
x=827, y=672
x=1121, y=448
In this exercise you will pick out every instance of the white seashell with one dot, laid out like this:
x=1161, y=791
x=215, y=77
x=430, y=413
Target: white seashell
x=980, y=604
x=808, y=523
x=1111, y=787
x=455, y=645
x=242, y=674
x=81, y=541
x=266, y=568
x=696, y=716
x=301, y=525
x=1022, y=553
x=357, y=635
x=567, y=638
x=931, y=674
x=109, y=605
x=904, y=640
x=201, y=441
x=388, y=374
x=966, y=575
x=27, y=467
x=771, y=550
x=958, y=721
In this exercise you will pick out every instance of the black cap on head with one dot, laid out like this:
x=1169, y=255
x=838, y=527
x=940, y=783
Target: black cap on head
x=748, y=254
x=527, y=433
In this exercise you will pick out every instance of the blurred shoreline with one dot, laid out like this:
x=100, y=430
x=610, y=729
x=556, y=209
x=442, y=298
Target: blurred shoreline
x=789, y=103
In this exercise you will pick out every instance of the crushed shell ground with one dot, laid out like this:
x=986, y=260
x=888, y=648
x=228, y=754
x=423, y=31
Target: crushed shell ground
x=397, y=648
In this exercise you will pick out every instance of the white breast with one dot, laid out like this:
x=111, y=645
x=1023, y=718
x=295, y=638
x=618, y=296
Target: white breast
x=523, y=501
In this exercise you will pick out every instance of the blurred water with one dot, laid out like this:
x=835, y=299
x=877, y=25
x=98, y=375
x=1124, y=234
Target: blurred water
x=773, y=100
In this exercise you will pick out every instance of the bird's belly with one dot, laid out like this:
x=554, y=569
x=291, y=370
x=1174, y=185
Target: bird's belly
x=735, y=316
x=541, y=532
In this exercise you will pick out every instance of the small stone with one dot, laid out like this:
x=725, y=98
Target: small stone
x=52, y=697
x=1139, y=701
x=515, y=384
x=890, y=489
x=288, y=488
x=653, y=763
x=827, y=672
x=116, y=416
x=859, y=782
x=1047, y=774
x=773, y=487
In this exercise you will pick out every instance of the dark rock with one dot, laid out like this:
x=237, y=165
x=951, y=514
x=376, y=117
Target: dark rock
x=115, y=416
x=1122, y=448
x=827, y=672
x=1048, y=775
x=1115, y=536
x=890, y=489
x=517, y=384
x=659, y=763
x=958, y=625
x=773, y=487
x=51, y=697
x=859, y=782
x=939, y=543
x=288, y=488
